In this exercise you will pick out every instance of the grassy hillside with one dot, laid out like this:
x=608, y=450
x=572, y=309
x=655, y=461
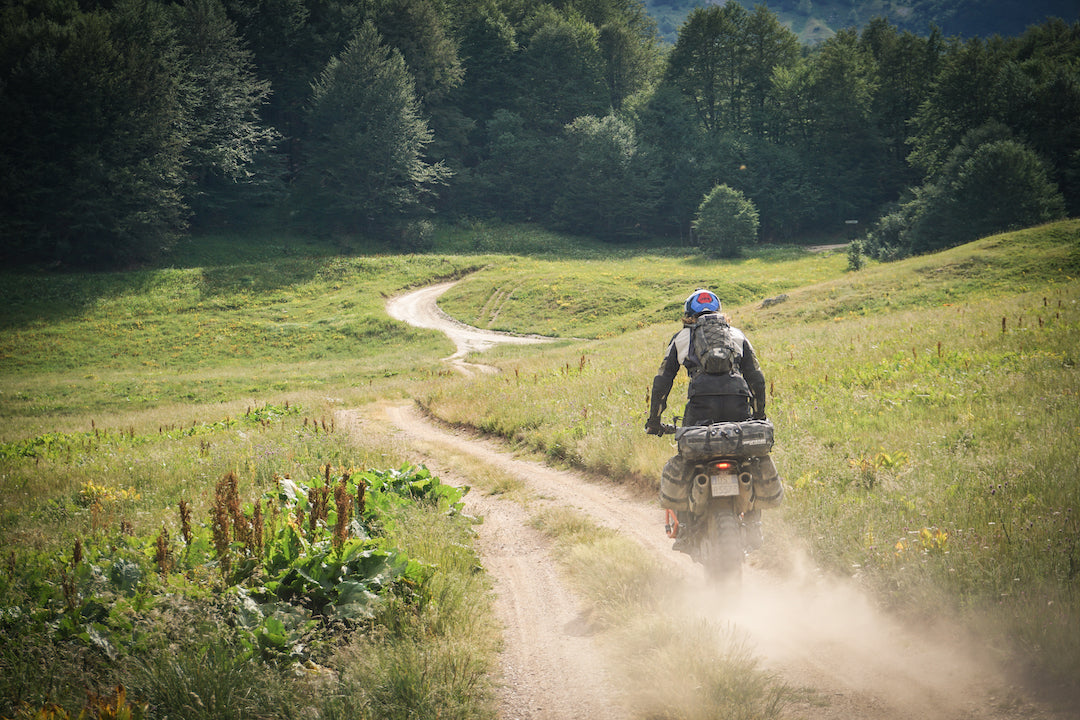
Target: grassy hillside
x=127, y=400
x=927, y=416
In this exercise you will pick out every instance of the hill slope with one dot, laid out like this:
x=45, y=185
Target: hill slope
x=926, y=413
x=818, y=20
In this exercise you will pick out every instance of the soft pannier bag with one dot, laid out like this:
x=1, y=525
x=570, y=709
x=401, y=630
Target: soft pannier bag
x=750, y=438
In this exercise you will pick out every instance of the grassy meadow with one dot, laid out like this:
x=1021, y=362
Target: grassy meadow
x=126, y=399
x=927, y=417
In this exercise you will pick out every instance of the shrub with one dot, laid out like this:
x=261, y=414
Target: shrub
x=726, y=222
x=855, y=259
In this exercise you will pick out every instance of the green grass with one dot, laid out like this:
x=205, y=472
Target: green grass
x=177, y=643
x=606, y=297
x=93, y=343
x=927, y=418
x=122, y=394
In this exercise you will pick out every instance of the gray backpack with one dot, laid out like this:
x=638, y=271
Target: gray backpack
x=715, y=346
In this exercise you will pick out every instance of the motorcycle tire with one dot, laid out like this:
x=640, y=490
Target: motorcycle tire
x=721, y=548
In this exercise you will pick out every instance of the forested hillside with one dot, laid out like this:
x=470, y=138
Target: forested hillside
x=817, y=20
x=126, y=125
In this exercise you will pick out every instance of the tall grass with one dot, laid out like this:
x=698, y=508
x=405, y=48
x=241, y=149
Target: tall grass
x=927, y=423
x=180, y=648
x=434, y=665
x=125, y=395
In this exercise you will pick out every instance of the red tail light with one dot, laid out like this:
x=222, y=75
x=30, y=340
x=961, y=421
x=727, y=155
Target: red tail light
x=725, y=466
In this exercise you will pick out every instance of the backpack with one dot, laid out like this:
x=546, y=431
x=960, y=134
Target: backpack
x=715, y=346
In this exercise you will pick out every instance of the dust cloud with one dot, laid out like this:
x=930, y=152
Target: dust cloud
x=847, y=658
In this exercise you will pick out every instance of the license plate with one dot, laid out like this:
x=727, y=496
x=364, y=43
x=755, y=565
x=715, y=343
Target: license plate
x=724, y=484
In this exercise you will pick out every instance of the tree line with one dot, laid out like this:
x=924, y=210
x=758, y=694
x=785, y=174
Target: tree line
x=125, y=124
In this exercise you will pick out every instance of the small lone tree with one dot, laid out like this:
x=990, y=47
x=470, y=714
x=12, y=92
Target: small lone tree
x=726, y=222
x=855, y=259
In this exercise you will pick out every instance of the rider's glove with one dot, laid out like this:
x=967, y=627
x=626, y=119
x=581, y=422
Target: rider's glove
x=653, y=427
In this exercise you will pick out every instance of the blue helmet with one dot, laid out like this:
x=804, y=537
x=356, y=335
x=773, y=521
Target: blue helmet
x=702, y=301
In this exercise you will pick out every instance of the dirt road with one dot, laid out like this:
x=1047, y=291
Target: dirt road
x=420, y=308
x=821, y=635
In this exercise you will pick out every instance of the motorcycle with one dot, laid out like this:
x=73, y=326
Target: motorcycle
x=713, y=502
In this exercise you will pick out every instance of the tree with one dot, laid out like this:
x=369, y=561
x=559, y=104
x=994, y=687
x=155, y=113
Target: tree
x=843, y=143
x=292, y=40
x=607, y=190
x=990, y=183
x=416, y=30
x=91, y=158
x=770, y=46
x=782, y=186
x=1044, y=100
x=1002, y=186
x=906, y=64
x=221, y=102
x=707, y=65
x=673, y=144
x=561, y=74
x=488, y=48
x=629, y=61
x=523, y=171
x=964, y=95
x=365, y=169
x=726, y=222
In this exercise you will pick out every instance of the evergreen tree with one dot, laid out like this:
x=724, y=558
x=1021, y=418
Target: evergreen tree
x=93, y=141
x=221, y=101
x=365, y=169
x=291, y=41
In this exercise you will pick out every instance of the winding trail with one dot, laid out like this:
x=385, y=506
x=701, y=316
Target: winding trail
x=420, y=308
x=821, y=635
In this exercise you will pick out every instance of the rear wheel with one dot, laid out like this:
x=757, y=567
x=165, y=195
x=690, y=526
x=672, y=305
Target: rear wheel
x=721, y=547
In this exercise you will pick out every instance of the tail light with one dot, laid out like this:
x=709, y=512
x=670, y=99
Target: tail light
x=724, y=466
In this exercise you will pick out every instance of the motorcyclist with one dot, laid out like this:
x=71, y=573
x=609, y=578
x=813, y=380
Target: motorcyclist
x=725, y=386
x=739, y=395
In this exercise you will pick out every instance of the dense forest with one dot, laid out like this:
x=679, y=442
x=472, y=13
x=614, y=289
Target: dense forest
x=126, y=124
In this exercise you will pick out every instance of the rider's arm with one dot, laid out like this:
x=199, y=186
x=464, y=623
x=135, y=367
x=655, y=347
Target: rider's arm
x=754, y=377
x=665, y=378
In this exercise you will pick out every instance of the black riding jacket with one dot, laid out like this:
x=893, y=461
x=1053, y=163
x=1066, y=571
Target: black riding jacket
x=711, y=398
